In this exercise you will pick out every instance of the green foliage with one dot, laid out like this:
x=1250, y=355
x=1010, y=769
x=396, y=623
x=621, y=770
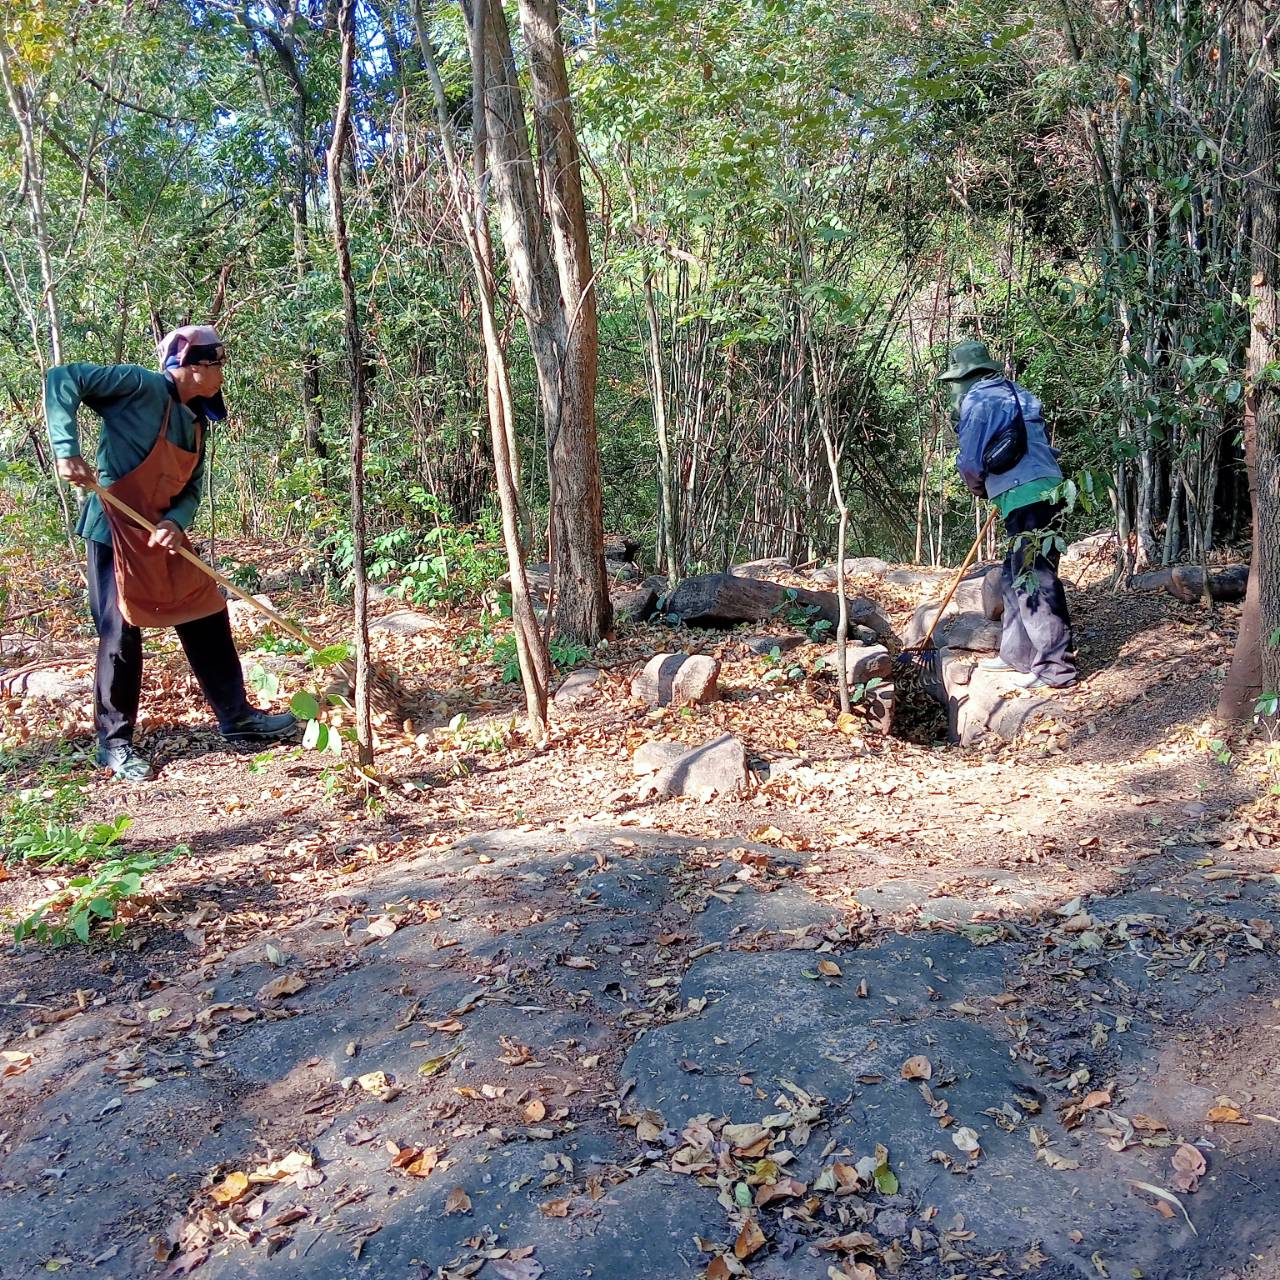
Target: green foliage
x=564, y=654
x=804, y=617
x=54, y=844
x=92, y=898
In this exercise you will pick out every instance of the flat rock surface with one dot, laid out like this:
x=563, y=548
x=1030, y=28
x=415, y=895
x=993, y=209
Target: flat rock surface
x=552, y=1016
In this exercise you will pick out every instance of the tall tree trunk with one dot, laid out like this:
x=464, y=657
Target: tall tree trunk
x=33, y=183
x=581, y=586
x=1255, y=664
x=531, y=653
x=356, y=363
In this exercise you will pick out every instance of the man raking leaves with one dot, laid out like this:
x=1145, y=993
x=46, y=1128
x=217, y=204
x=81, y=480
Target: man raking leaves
x=1005, y=456
x=151, y=452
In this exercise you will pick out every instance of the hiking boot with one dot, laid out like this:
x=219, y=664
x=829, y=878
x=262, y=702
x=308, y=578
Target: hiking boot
x=125, y=763
x=258, y=726
x=995, y=664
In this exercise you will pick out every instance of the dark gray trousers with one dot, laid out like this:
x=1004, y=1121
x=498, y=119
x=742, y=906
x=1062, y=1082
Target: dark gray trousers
x=1037, y=626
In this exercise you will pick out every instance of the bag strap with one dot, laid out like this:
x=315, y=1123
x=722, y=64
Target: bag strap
x=1017, y=404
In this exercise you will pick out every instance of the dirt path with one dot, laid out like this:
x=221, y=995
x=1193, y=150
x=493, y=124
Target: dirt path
x=619, y=1039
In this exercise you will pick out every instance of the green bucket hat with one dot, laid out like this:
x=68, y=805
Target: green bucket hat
x=969, y=358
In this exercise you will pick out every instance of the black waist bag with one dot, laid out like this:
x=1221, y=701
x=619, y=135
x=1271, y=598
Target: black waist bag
x=1008, y=446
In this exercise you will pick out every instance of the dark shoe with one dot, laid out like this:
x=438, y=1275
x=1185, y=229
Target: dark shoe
x=258, y=726
x=125, y=763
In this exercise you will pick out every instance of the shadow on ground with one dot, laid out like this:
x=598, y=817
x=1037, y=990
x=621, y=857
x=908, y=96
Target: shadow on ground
x=629, y=982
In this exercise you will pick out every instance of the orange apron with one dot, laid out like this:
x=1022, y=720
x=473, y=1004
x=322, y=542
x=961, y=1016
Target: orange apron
x=157, y=588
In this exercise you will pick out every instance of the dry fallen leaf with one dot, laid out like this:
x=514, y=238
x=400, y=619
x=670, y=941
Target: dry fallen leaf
x=917, y=1068
x=516, y=1268
x=534, y=1111
x=287, y=984
x=235, y=1186
x=829, y=969
x=1096, y=1098
x=1225, y=1113
x=555, y=1208
x=458, y=1201
x=15, y=1062
x=718, y=1269
x=778, y=1190
x=967, y=1140
x=1189, y=1166
x=416, y=1162
x=750, y=1240
x=382, y=927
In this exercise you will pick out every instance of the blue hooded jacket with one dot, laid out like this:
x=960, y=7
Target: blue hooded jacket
x=987, y=407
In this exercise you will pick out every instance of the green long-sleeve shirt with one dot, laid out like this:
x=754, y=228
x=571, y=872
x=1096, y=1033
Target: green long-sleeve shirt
x=131, y=402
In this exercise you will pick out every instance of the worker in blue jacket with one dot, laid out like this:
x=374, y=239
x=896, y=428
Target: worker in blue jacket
x=1005, y=456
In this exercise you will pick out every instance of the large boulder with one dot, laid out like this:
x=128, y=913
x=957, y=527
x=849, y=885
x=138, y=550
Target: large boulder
x=618, y=546
x=635, y=605
x=243, y=614
x=763, y=569
x=854, y=567
x=677, y=679
x=993, y=593
x=405, y=622
x=982, y=703
x=537, y=575
x=622, y=571
x=650, y=757
x=578, y=686
x=763, y=645
x=969, y=631
x=723, y=600
x=1087, y=548
x=718, y=767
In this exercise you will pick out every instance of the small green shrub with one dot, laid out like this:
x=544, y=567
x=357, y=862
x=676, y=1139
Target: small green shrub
x=71, y=912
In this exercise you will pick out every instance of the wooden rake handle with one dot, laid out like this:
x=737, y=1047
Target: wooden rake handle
x=283, y=623
x=968, y=560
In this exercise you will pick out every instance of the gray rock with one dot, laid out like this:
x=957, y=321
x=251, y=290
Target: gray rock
x=620, y=547
x=762, y=569
x=243, y=614
x=862, y=662
x=854, y=567
x=980, y=703
x=577, y=687
x=911, y=577
x=718, y=767
x=993, y=594
x=405, y=622
x=1088, y=547
x=622, y=571
x=636, y=605
x=968, y=631
x=49, y=684
x=723, y=600
x=677, y=679
x=1186, y=582
x=650, y=757
x=767, y=644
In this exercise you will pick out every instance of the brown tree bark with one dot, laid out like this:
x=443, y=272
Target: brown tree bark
x=580, y=584
x=1255, y=664
x=531, y=653
x=356, y=364
x=556, y=294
